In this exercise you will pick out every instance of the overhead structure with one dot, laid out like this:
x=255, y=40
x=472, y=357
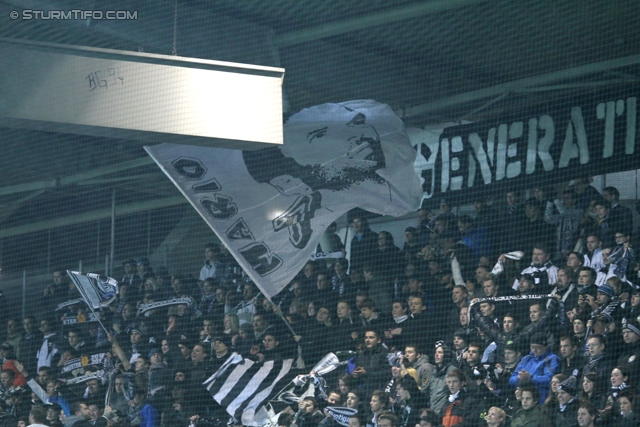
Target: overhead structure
x=139, y=96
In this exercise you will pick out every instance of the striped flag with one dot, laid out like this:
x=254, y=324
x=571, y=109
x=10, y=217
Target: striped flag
x=243, y=386
x=97, y=291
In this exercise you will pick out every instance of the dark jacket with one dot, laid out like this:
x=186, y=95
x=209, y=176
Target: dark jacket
x=197, y=396
x=75, y=421
x=631, y=420
x=308, y=420
x=389, y=262
x=573, y=367
x=416, y=330
x=464, y=411
x=532, y=418
x=520, y=338
x=568, y=417
x=363, y=248
x=602, y=367
x=598, y=399
x=341, y=332
x=409, y=410
x=378, y=370
x=630, y=358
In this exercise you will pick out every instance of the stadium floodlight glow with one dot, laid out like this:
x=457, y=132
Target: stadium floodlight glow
x=139, y=96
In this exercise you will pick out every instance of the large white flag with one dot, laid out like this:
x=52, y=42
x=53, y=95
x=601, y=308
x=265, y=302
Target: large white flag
x=270, y=207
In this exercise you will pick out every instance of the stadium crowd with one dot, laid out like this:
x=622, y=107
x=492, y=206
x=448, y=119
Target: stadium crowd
x=522, y=315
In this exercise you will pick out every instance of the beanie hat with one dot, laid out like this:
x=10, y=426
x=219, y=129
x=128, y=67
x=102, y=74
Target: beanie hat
x=632, y=325
x=539, y=338
x=603, y=317
x=224, y=339
x=511, y=346
x=139, y=330
x=607, y=289
x=569, y=385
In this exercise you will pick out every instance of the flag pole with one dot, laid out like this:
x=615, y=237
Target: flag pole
x=279, y=313
x=97, y=316
x=346, y=237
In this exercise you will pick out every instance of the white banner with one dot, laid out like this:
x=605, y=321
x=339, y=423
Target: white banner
x=270, y=207
x=325, y=255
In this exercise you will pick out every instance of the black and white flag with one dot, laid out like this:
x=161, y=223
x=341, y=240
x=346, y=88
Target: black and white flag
x=270, y=207
x=97, y=291
x=242, y=386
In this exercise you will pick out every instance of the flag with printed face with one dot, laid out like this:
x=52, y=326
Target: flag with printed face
x=270, y=207
x=97, y=291
x=243, y=386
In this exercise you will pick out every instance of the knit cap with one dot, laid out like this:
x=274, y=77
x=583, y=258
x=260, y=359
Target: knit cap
x=569, y=385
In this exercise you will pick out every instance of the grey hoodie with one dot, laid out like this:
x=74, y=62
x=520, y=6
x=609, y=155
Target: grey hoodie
x=425, y=372
x=70, y=421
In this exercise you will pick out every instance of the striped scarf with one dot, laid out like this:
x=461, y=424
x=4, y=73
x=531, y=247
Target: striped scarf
x=593, y=361
x=618, y=389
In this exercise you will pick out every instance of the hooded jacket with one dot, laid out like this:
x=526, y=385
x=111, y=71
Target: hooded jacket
x=438, y=390
x=542, y=368
x=76, y=421
x=425, y=372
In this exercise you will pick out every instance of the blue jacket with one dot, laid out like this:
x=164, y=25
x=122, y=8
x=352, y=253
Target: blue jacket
x=541, y=368
x=149, y=417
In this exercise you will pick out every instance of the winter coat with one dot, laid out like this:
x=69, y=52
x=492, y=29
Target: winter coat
x=630, y=358
x=520, y=338
x=541, y=368
x=464, y=411
x=76, y=421
x=438, y=390
x=534, y=417
x=309, y=420
x=630, y=420
x=573, y=367
x=568, y=417
x=376, y=365
x=409, y=414
x=425, y=372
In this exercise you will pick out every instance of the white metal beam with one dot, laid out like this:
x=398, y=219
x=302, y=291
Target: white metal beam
x=139, y=96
